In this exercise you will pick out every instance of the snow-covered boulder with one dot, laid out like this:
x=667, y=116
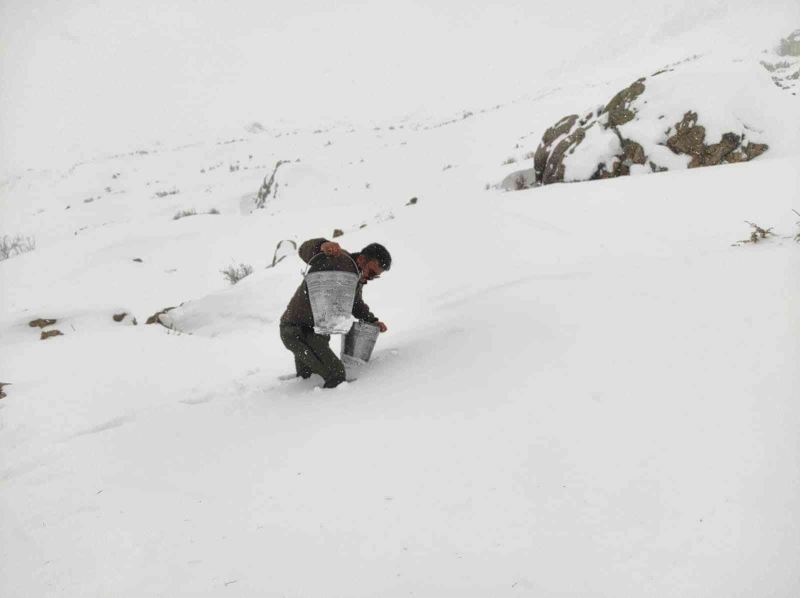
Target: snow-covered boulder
x=683, y=116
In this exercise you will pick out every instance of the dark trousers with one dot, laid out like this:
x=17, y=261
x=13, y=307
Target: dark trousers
x=312, y=354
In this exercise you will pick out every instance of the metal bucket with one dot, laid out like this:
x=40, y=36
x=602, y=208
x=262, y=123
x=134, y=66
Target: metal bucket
x=357, y=345
x=331, y=293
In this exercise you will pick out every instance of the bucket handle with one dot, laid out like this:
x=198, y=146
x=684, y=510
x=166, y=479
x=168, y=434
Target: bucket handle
x=308, y=265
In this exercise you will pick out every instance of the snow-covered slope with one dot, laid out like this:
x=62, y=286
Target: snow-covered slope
x=585, y=390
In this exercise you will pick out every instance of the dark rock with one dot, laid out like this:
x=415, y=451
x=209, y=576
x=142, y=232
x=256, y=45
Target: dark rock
x=633, y=153
x=337, y=232
x=689, y=137
x=154, y=319
x=412, y=201
x=119, y=317
x=554, y=168
x=562, y=127
x=601, y=172
x=736, y=156
x=715, y=153
x=540, y=158
x=753, y=150
x=48, y=333
x=619, y=108
x=2, y=394
x=137, y=259
x=42, y=322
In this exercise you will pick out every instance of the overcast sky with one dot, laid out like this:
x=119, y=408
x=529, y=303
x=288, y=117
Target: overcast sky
x=81, y=77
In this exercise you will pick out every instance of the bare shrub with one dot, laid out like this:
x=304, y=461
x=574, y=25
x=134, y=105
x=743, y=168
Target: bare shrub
x=233, y=274
x=757, y=234
x=275, y=259
x=19, y=244
x=184, y=214
x=266, y=188
x=213, y=211
x=509, y=160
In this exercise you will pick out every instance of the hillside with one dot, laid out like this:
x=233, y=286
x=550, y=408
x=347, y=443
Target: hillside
x=586, y=389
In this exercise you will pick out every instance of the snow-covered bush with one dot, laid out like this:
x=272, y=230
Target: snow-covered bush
x=790, y=46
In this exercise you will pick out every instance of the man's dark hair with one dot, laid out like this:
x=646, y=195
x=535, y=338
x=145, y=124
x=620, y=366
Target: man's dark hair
x=376, y=251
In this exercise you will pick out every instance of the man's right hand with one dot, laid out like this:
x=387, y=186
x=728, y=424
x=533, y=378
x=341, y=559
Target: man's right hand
x=330, y=248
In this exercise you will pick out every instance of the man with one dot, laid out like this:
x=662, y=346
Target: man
x=311, y=351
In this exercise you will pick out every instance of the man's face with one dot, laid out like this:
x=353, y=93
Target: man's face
x=371, y=270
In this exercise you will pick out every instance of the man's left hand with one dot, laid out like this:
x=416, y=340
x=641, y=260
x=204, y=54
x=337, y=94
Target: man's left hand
x=381, y=326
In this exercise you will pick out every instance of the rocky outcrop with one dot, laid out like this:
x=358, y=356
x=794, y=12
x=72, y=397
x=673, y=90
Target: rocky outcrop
x=612, y=152
x=689, y=139
x=544, y=152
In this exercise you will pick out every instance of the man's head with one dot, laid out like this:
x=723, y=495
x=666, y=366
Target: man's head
x=373, y=260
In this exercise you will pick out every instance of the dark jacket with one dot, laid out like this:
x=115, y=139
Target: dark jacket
x=298, y=311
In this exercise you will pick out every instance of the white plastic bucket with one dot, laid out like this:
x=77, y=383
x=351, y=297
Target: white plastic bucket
x=331, y=294
x=358, y=344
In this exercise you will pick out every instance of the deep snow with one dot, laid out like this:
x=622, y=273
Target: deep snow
x=585, y=390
